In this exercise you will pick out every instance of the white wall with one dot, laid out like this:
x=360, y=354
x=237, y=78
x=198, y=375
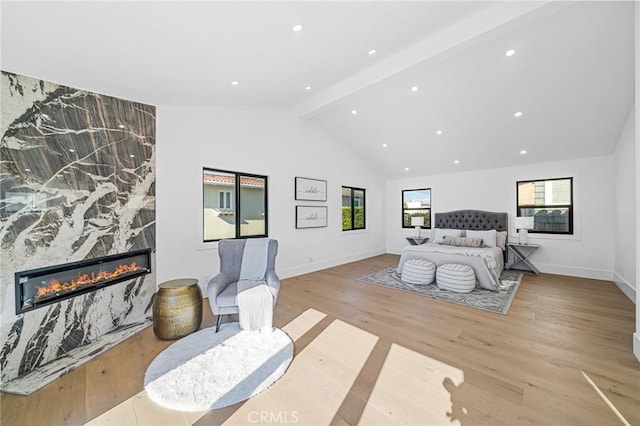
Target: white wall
x=261, y=140
x=587, y=253
x=625, y=207
x=636, y=335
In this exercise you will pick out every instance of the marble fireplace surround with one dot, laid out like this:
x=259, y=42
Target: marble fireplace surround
x=77, y=181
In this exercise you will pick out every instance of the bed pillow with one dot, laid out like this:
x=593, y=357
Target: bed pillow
x=489, y=236
x=501, y=239
x=440, y=233
x=463, y=242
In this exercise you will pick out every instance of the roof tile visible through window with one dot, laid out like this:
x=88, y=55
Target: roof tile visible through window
x=244, y=181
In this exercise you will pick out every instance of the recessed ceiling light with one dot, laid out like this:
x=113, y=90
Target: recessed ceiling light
x=414, y=89
x=296, y=28
x=518, y=114
x=406, y=169
x=235, y=82
x=354, y=112
x=372, y=52
x=438, y=132
x=456, y=162
x=510, y=52
x=307, y=88
x=384, y=145
x=523, y=152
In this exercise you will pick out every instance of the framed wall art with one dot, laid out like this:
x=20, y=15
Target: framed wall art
x=311, y=217
x=311, y=189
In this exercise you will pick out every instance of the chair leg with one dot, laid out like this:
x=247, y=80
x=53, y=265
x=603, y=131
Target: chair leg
x=218, y=322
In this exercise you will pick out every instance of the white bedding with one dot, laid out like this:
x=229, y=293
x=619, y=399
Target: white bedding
x=487, y=262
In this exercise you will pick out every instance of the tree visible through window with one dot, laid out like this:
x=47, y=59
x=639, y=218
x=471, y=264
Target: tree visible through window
x=416, y=203
x=235, y=205
x=353, y=208
x=549, y=202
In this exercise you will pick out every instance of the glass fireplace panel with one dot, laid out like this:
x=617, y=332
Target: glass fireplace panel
x=41, y=287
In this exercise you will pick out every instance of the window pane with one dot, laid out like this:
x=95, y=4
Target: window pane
x=218, y=216
x=253, y=202
x=347, y=223
x=408, y=214
x=548, y=220
x=545, y=192
x=416, y=199
x=358, y=208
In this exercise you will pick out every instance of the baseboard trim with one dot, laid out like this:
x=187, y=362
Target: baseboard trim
x=636, y=345
x=625, y=287
x=395, y=250
x=574, y=271
x=328, y=263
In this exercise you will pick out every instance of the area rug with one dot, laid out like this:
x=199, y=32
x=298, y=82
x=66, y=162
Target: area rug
x=208, y=370
x=493, y=301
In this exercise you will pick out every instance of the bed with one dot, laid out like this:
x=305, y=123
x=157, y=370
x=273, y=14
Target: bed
x=487, y=262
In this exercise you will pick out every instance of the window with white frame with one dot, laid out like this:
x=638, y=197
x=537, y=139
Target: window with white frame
x=224, y=200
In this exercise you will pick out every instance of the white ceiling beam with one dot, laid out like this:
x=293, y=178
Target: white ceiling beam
x=488, y=23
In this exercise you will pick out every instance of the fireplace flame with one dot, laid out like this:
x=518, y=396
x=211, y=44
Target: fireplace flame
x=84, y=280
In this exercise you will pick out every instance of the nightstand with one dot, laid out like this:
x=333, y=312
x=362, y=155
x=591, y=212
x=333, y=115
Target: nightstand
x=518, y=255
x=416, y=241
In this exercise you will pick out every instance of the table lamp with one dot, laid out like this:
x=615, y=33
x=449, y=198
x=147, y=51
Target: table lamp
x=418, y=222
x=523, y=224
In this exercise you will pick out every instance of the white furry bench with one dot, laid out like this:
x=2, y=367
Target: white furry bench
x=457, y=278
x=416, y=271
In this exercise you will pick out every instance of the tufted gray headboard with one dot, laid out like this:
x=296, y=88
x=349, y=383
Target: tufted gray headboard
x=476, y=220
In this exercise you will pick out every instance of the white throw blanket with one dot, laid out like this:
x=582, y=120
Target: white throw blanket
x=254, y=259
x=255, y=305
x=255, y=301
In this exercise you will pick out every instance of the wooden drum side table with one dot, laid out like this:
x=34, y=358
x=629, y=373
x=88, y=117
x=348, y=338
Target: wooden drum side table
x=177, y=308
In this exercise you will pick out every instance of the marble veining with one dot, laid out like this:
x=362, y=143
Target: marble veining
x=77, y=181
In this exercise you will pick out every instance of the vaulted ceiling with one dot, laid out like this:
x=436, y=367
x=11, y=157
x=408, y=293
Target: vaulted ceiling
x=439, y=94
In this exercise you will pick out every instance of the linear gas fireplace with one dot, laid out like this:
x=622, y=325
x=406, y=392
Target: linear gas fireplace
x=40, y=287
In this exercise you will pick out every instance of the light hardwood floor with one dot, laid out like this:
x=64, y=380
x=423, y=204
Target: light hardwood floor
x=370, y=355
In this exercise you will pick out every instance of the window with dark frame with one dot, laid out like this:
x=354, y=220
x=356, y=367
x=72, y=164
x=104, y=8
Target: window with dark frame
x=416, y=203
x=234, y=205
x=549, y=202
x=353, y=208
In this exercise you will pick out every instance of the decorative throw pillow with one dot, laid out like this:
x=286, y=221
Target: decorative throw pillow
x=463, y=242
x=489, y=236
x=439, y=234
x=501, y=240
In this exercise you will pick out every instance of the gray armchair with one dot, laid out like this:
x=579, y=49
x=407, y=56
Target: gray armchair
x=222, y=288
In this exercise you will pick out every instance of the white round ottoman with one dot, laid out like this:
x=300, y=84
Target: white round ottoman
x=457, y=278
x=416, y=271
